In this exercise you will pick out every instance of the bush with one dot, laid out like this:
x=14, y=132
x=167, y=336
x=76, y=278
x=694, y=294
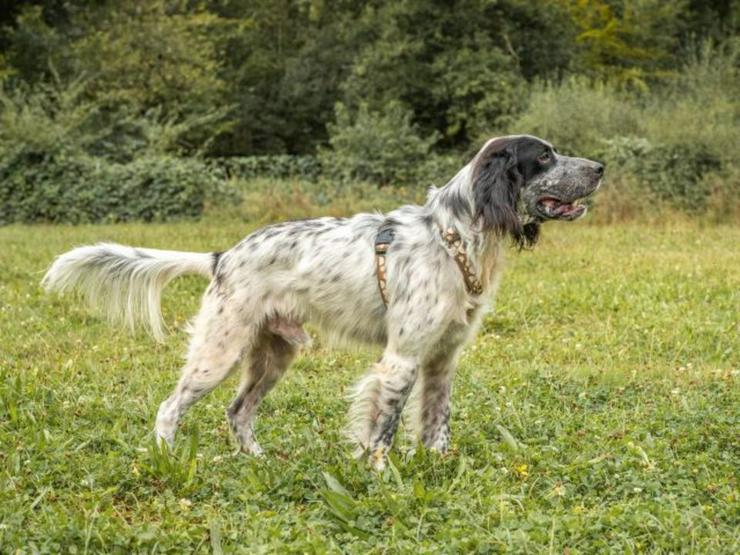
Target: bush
x=60, y=117
x=63, y=158
x=673, y=173
x=577, y=114
x=699, y=105
x=375, y=147
x=438, y=169
x=79, y=189
x=278, y=166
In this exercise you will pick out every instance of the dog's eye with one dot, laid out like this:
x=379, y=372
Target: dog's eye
x=544, y=158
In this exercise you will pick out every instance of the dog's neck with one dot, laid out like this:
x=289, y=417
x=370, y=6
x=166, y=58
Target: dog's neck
x=453, y=206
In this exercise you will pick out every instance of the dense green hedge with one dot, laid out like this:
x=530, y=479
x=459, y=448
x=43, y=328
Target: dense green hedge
x=69, y=188
x=80, y=189
x=432, y=169
x=277, y=166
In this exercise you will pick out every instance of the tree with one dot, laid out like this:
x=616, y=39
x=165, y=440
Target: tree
x=154, y=58
x=441, y=59
x=631, y=42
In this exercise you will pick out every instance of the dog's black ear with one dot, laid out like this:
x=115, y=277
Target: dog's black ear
x=496, y=186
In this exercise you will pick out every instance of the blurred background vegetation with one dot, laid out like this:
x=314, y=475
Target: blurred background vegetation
x=154, y=110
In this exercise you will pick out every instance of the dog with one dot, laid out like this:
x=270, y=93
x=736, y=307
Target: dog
x=416, y=281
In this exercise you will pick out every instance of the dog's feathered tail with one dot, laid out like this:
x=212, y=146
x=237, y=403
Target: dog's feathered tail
x=127, y=281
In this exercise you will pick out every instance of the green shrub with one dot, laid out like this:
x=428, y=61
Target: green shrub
x=46, y=120
x=375, y=147
x=699, y=105
x=63, y=158
x=278, y=166
x=79, y=189
x=673, y=173
x=433, y=169
x=60, y=117
x=438, y=169
x=577, y=114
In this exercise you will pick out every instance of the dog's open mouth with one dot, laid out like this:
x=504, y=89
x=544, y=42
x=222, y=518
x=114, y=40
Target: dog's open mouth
x=554, y=208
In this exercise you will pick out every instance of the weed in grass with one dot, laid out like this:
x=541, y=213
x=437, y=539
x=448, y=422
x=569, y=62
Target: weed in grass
x=176, y=469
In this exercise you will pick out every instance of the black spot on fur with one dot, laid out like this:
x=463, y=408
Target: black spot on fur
x=214, y=262
x=195, y=390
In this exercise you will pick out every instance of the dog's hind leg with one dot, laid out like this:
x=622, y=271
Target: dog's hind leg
x=217, y=347
x=270, y=357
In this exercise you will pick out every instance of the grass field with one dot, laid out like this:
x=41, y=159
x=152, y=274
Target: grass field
x=597, y=411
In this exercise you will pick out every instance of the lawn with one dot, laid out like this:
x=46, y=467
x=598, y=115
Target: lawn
x=597, y=411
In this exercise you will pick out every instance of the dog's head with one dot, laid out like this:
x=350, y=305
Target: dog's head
x=520, y=181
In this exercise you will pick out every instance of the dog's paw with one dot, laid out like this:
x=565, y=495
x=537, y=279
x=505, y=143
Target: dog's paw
x=377, y=459
x=252, y=449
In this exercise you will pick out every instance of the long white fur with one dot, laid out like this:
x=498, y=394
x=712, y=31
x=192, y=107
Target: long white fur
x=360, y=417
x=126, y=281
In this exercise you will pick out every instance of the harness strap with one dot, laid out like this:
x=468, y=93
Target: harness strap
x=383, y=240
x=453, y=241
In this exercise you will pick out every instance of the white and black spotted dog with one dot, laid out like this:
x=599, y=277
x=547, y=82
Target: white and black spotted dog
x=439, y=267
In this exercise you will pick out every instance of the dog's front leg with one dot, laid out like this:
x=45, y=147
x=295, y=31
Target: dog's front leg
x=397, y=377
x=378, y=402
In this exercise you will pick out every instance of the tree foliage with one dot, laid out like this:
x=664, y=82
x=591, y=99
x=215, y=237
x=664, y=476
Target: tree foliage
x=632, y=42
x=264, y=76
x=375, y=90
x=379, y=147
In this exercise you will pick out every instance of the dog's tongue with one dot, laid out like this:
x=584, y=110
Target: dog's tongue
x=559, y=208
x=564, y=208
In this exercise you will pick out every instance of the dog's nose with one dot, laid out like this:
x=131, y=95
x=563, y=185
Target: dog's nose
x=599, y=169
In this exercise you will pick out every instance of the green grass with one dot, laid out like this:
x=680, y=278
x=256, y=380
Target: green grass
x=596, y=411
